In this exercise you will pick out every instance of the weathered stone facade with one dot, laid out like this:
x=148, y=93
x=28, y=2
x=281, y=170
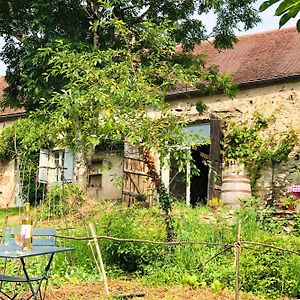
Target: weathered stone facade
x=282, y=100
x=266, y=66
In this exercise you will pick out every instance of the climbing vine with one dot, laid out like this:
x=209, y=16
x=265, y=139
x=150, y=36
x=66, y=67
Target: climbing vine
x=165, y=200
x=254, y=145
x=22, y=141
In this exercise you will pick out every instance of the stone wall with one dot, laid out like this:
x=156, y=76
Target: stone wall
x=282, y=100
x=8, y=192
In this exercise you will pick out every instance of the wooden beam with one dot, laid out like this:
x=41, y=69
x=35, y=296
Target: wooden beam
x=136, y=172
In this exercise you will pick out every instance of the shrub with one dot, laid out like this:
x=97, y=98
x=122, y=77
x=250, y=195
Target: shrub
x=132, y=223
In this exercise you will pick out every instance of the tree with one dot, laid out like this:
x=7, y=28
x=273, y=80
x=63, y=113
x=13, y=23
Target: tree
x=33, y=24
x=287, y=9
x=88, y=87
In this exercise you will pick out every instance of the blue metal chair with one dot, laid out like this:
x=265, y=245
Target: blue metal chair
x=42, y=237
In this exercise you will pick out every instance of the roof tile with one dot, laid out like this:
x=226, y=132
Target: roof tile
x=7, y=111
x=266, y=55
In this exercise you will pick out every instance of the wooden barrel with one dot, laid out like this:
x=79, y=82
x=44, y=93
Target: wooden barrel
x=235, y=187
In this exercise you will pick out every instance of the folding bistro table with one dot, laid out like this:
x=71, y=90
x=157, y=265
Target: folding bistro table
x=12, y=252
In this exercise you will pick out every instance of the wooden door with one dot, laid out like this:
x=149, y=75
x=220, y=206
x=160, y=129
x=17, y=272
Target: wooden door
x=214, y=177
x=137, y=185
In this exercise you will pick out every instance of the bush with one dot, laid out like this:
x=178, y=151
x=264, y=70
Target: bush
x=132, y=223
x=270, y=272
x=263, y=270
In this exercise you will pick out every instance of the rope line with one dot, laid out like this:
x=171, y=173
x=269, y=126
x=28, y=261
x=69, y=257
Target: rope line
x=270, y=246
x=103, y=237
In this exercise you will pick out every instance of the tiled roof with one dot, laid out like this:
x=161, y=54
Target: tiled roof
x=260, y=56
x=3, y=85
x=8, y=112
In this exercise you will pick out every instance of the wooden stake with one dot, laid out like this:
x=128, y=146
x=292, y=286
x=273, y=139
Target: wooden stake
x=92, y=228
x=237, y=260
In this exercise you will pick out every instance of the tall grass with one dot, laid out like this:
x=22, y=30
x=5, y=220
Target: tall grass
x=262, y=270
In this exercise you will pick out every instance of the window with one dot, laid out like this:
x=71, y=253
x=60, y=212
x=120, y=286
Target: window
x=56, y=166
x=95, y=176
x=59, y=163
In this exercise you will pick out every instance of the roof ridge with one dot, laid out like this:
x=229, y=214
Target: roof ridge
x=278, y=30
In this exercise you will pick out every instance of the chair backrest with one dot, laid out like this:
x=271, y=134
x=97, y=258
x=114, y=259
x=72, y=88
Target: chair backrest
x=40, y=236
x=43, y=236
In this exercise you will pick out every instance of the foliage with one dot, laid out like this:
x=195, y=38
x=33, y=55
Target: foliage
x=263, y=271
x=286, y=10
x=266, y=218
x=254, y=146
x=62, y=200
x=271, y=273
x=215, y=202
x=201, y=107
x=141, y=198
x=131, y=223
x=96, y=23
x=107, y=94
x=287, y=202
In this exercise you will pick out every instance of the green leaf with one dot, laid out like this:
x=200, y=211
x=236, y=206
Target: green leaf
x=284, y=19
x=267, y=4
x=295, y=10
x=298, y=25
x=285, y=6
x=292, y=13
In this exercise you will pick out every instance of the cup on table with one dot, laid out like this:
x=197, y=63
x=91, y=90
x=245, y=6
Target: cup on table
x=19, y=238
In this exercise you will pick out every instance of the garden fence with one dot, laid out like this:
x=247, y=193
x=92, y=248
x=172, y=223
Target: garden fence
x=237, y=245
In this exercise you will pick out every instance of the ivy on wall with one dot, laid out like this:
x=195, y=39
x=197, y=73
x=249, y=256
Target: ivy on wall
x=255, y=145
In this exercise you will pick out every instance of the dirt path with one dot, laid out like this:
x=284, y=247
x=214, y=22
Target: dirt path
x=95, y=291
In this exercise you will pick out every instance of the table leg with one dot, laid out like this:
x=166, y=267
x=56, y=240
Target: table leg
x=33, y=292
x=45, y=277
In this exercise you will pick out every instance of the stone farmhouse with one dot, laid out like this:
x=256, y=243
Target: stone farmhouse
x=266, y=67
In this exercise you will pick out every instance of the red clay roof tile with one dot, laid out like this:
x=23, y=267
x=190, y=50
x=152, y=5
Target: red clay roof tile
x=8, y=111
x=267, y=55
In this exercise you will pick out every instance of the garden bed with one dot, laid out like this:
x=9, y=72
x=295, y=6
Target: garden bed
x=95, y=291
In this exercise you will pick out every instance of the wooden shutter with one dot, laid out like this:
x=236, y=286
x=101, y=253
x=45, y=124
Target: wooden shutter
x=214, y=177
x=69, y=165
x=136, y=182
x=43, y=165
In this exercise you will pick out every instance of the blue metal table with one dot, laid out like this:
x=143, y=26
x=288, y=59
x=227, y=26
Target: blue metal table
x=12, y=252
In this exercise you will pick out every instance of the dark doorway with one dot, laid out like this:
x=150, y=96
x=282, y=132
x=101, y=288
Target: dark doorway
x=177, y=181
x=199, y=183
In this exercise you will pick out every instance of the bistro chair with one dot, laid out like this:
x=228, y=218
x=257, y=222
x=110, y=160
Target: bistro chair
x=42, y=237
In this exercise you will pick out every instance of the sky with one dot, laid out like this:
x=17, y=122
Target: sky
x=269, y=22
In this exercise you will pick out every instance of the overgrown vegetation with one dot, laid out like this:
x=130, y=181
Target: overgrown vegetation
x=187, y=263
x=263, y=271
x=255, y=146
x=193, y=264
x=62, y=200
